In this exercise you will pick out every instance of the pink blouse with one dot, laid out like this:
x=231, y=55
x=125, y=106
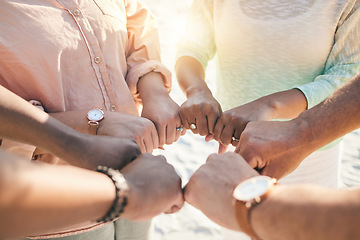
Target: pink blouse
x=72, y=54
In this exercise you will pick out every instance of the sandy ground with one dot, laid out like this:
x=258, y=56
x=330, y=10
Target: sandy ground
x=191, y=151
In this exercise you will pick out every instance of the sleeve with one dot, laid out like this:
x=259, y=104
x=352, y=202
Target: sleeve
x=343, y=62
x=143, y=50
x=199, y=38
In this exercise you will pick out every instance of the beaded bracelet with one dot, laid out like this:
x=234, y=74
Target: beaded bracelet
x=121, y=190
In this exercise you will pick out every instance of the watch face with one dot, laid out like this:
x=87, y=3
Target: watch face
x=95, y=114
x=253, y=188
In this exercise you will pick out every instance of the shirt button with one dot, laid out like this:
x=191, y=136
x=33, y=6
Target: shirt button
x=113, y=108
x=76, y=12
x=97, y=60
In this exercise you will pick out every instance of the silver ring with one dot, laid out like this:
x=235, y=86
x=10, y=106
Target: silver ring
x=193, y=126
x=180, y=129
x=235, y=139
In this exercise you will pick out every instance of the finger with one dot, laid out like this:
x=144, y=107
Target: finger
x=141, y=145
x=211, y=122
x=202, y=125
x=161, y=132
x=226, y=135
x=209, y=137
x=178, y=132
x=148, y=144
x=155, y=139
x=193, y=126
x=236, y=138
x=218, y=129
x=222, y=148
x=184, y=115
x=253, y=160
x=170, y=133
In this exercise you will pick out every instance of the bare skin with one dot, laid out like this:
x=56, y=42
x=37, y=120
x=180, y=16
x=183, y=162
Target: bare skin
x=200, y=108
x=226, y=127
x=156, y=126
x=160, y=108
x=282, y=105
x=33, y=199
x=25, y=123
x=289, y=212
x=277, y=148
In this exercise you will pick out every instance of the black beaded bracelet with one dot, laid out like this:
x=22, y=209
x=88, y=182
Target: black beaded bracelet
x=121, y=191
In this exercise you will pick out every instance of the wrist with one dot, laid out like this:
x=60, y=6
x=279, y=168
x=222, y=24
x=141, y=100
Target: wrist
x=121, y=194
x=150, y=85
x=196, y=91
x=247, y=196
x=307, y=137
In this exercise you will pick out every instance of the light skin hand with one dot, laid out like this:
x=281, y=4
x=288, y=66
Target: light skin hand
x=160, y=108
x=137, y=128
x=275, y=148
x=211, y=186
x=155, y=188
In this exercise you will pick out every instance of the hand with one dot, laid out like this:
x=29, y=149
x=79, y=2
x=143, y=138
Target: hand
x=275, y=148
x=154, y=188
x=137, y=128
x=232, y=122
x=202, y=110
x=164, y=113
x=211, y=186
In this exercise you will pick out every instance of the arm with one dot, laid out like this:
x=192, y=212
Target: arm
x=200, y=108
x=281, y=105
x=277, y=148
x=149, y=81
x=303, y=211
x=160, y=108
x=25, y=123
x=33, y=199
x=307, y=212
x=195, y=49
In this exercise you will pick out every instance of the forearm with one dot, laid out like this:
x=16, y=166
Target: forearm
x=307, y=212
x=23, y=122
x=38, y=198
x=336, y=116
x=151, y=88
x=191, y=76
x=285, y=105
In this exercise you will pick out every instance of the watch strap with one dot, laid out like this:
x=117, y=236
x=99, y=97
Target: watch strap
x=93, y=127
x=242, y=211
